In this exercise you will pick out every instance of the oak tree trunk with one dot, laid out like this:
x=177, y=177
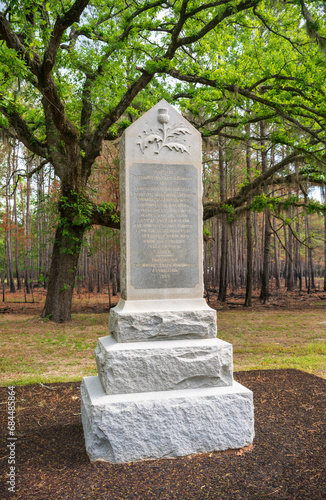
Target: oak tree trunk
x=66, y=249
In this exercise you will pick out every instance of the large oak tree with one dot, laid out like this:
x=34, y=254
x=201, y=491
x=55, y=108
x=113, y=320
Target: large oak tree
x=75, y=73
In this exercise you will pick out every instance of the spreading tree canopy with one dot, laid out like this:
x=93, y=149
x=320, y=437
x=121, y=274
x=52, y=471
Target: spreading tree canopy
x=75, y=73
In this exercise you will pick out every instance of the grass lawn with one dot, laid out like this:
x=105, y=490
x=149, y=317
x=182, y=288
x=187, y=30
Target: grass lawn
x=34, y=350
x=276, y=339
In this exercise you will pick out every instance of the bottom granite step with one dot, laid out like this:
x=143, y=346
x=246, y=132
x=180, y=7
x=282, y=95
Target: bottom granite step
x=129, y=427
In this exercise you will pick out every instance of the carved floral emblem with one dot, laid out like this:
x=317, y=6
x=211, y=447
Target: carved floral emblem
x=165, y=137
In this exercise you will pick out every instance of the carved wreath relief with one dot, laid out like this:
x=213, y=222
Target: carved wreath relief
x=164, y=136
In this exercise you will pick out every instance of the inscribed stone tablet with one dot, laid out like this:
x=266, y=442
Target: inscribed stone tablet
x=161, y=207
x=164, y=226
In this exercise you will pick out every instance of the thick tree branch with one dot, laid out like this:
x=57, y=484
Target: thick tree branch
x=205, y=6
x=262, y=19
x=297, y=180
x=45, y=83
x=19, y=172
x=24, y=133
x=229, y=11
x=55, y=152
x=74, y=34
x=61, y=24
x=245, y=93
x=14, y=41
x=254, y=187
x=92, y=77
x=312, y=26
x=95, y=142
x=218, y=130
x=277, y=76
x=107, y=218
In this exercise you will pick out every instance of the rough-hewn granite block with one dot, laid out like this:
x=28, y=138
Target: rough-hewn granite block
x=130, y=427
x=141, y=321
x=163, y=365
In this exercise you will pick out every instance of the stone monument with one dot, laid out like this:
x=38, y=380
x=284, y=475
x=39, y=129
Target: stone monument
x=165, y=383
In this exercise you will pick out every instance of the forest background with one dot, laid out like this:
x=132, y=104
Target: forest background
x=250, y=75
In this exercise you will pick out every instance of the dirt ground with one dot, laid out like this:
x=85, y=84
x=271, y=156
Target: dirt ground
x=99, y=302
x=287, y=459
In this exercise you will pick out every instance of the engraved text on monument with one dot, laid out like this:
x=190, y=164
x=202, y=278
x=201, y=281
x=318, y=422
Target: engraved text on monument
x=164, y=226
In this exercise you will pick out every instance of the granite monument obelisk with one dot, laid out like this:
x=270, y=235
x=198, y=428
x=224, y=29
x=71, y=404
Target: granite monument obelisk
x=165, y=386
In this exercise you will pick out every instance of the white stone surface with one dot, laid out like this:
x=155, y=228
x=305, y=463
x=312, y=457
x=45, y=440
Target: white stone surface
x=163, y=354
x=137, y=321
x=161, y=205
x=163, y=365
x=130, y=427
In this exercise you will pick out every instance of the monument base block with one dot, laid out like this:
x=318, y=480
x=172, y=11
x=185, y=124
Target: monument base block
x=132, y=367
x=151, y=320
x=130, y=427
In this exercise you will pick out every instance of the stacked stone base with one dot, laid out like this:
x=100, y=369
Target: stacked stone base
x=130, y=427
x=152, y=320
x=163, y=365
x=165, y=386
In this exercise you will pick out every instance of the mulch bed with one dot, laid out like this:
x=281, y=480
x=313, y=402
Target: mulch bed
x=287, y=460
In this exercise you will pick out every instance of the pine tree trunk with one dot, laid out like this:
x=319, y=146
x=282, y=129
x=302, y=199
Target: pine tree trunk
x=213, y=253
x=324, y=242
x=236, y=259
x=114, y=268
x=16, y=230
x=311, y=267
x=224, y=260
x=217, y=259
x=264, y=293
x=311, y=278
x=205, y=264
x=308, y=253
x=10, y=258
x=257, y=267
x=248, y=299
x=224, y=236
x=290, y=274
x=27, y=260
x=297, y=254
x=325, y=253
x=307, y=283
x=277, y=264
x=249, y=278
x=109, y=280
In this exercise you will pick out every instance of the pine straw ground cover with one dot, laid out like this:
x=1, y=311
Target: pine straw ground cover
x=287, y=460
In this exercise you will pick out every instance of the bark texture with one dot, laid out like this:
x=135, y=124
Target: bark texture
x=63, y=273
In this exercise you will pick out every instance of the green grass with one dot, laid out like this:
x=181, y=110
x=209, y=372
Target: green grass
x=34, y=350
x=269, y=339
